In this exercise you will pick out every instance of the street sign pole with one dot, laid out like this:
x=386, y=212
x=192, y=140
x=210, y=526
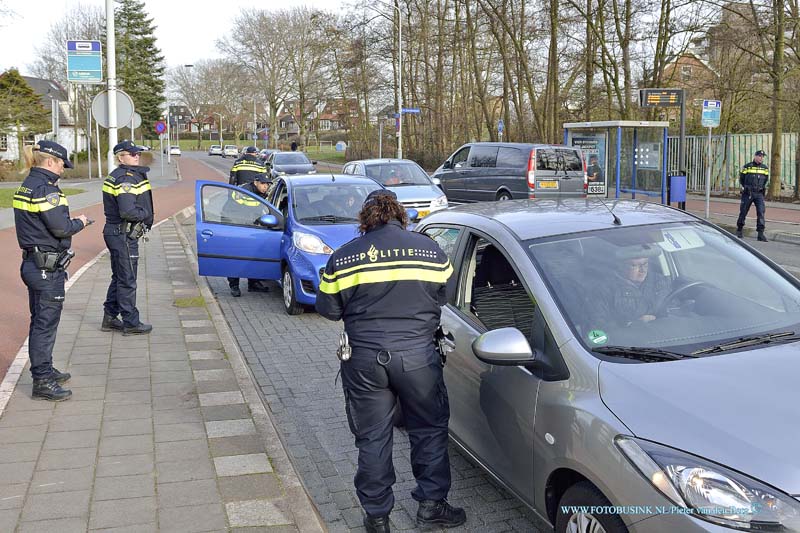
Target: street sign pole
x=111, y=54
x=712, y=111
x=708, y=175
x=380, y=138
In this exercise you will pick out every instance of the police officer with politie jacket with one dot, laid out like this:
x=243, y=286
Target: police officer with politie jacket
x=128, y=206
x=44, y=232
x=388, y=287
x=258, y=186
x=753, y=178
x=246, y=168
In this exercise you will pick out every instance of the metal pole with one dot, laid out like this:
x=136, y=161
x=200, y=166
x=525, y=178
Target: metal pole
x=111, y=57
x=169, y=139
x=682, y=139
x=255, y=135
x=399, y=83
x=161, y=152
x=88, y=135
x=708, y=175
x=99, y=156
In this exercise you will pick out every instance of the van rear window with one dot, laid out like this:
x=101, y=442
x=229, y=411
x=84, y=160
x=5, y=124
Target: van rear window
x=560, y=159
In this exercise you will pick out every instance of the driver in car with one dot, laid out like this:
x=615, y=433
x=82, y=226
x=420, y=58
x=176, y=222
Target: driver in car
x=634, y=292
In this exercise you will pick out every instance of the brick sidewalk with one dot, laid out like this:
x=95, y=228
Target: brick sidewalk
x=164, y=432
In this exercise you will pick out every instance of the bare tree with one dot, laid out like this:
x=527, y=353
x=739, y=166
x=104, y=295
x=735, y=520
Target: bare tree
x=188, y=85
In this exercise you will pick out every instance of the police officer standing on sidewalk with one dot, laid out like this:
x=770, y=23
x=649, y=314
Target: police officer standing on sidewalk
x=246, y=168
x=128, y=206
x=44, y=232
x=388, y=286
x=753, y=179
x=259, y=186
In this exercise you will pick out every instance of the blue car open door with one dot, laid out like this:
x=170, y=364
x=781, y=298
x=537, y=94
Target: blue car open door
x=232, y=238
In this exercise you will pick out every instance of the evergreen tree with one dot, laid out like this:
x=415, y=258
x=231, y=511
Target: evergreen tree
x=21, y=111
x=140, y=65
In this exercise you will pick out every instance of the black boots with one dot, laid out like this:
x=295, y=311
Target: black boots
x=376, y=524
x=440, y=513
x=739, y=233
x=49, y=389
x=60, y=377
x=111, y=323
x=761, y=237
x=236, y=292
x=139, y=329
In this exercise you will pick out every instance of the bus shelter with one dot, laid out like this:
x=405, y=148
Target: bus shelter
x=623, y=157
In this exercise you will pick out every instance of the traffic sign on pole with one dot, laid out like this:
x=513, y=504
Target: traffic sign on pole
x=160, y=126
x=500, y=126
x=84, y=62
x=124, y=108
x=712, y=111
x=413, y=110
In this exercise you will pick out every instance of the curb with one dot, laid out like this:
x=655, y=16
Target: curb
x=306, y=516
x=777, y=236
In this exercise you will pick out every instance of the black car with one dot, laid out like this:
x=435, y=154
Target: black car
x=283, y=163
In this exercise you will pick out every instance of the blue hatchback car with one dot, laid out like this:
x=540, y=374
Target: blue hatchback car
x=287, y=238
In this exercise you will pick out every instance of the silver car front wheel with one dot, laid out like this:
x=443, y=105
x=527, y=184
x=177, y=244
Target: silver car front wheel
x=584, y=523
x=572, y=518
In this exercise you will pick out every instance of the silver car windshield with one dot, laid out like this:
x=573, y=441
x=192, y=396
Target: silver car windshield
x=398, y=174
x=331, y=203
x=681, y=287
x=292, y=159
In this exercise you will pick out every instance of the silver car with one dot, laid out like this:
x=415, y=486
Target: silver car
x=414, y=188
x=634, y=370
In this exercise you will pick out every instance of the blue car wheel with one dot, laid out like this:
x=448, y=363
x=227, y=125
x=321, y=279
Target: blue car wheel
x=290, y=302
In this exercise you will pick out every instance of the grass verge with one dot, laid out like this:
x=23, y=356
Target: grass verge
x=6, y=195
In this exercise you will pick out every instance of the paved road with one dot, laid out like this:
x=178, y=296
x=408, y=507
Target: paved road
x=293, y=361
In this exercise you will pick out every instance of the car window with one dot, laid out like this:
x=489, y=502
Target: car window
x=483, y=156
x=679, y=287
x=291, y=159
x=231, y=206
x=446, y=238
x=460, y=157
x=490, y=291
x=572, y=161
x=348, y=169
x=512, y=158
x=330, y=203
x=398, y=174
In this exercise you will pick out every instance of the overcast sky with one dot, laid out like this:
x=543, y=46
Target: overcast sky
x=177, y=23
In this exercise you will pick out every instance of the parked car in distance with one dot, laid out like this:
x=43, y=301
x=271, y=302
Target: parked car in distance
x=486, y=171
x=414, y=188
x=623, y=332
x=287, y=238
x=215, y=149
x=287, y=163
x=230, y=150
x=174, y=150
x=266, y=152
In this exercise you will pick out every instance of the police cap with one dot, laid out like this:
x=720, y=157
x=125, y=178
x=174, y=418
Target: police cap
x=251, y=150
x=262, y=177
x=127, y=146
x=54, y=149
x=760, y=152
x=372, y=197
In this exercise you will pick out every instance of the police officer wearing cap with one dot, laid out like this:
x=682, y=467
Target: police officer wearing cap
x=128, y=206
x=753, y=179
x=246, y=168
x=259, y=186
x=388, y=286
x=44, y=232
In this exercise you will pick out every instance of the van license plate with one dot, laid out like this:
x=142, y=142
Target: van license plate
x=548, y=185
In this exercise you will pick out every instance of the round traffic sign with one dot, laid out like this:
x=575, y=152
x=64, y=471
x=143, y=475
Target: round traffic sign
x=136, y=121
x=160, y=126
x=124, y=109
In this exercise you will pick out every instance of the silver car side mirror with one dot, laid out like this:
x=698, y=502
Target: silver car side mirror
x=504, y=347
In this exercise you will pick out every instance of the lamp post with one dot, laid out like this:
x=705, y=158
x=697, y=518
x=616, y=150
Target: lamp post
x=399, y=82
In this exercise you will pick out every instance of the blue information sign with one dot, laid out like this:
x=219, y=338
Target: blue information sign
x=712, y=111
x=84, y=62
x=500, y=125
x=410, y=110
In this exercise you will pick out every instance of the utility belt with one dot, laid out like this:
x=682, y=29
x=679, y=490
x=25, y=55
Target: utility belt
x=444, y=345
x=49, y=261
x=132, y=230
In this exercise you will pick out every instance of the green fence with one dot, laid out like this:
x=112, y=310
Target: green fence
x=729, y=153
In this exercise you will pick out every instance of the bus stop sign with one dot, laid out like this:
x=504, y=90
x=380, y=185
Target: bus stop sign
x=712, y=110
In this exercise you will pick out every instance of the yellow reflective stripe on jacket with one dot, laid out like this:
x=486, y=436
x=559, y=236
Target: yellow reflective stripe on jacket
x=345, y=271
x=243, y=199
x=755, y=170
x=126, y=188
x=381, y=276
x=37, y=205
x=256, y=168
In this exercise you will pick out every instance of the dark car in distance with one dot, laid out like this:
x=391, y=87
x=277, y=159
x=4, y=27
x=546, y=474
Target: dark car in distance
x=287, y=163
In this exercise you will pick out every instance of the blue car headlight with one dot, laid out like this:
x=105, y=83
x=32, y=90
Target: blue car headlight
x=710, y=491
x=310, y=243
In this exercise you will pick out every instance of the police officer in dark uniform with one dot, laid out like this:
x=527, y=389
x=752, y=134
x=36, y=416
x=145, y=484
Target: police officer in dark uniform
x=44, y=232
x=246, y=168
x=259, y=186
x=753, y=179
x=128, y=206
x=388, y=286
